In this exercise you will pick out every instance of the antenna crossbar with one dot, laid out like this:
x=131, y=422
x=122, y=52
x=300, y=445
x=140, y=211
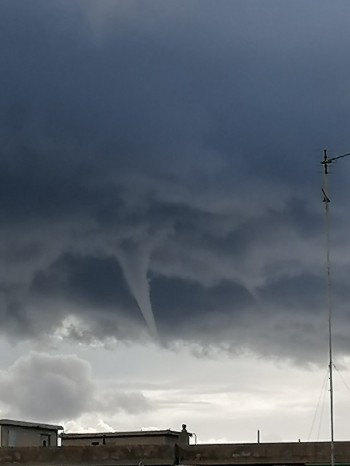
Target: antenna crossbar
x=328, y=160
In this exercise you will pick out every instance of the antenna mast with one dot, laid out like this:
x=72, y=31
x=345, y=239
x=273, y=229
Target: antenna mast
x=325, y=191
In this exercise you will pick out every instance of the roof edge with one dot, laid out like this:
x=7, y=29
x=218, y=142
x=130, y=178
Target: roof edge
x=37, y=425
x=137, y=433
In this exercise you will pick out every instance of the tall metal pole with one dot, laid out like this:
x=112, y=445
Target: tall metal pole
x=325, y=190
x=326, y=201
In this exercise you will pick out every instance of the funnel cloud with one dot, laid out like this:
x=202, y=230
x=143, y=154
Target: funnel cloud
x=134, y=259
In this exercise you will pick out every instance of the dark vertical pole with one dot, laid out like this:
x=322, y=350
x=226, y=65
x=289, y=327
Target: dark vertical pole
x=326, y=200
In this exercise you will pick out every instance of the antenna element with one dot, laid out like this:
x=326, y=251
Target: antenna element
x=326, y=200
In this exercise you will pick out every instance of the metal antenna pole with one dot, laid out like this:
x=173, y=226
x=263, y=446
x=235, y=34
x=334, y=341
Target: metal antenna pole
x=326, y=201
x=325, y=190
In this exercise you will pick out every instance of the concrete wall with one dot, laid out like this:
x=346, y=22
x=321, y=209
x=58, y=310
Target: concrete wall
x=291, y=454
x=16, y=436
x=125, y=440
x=150, y=455
x=264, y=453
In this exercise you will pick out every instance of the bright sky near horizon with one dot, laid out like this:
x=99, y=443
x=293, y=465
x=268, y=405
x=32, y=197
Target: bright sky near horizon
x=162, y=241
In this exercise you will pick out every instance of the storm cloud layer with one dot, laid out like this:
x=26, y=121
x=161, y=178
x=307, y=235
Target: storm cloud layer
x=173, y=148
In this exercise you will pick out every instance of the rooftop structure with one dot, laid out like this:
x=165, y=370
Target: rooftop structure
x=139, y=437
x=28, y=434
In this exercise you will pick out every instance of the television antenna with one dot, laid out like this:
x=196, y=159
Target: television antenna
x=326, y=199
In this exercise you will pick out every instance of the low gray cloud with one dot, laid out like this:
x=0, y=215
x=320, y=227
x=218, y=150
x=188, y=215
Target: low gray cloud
x=54, y=388
x=191, y=131
x=47, y=388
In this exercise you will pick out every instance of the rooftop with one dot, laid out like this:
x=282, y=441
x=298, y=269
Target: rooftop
x=32, y=425
x=137, y=433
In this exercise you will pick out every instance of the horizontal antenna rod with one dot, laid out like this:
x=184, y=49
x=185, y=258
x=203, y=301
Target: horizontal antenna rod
x=326, y=160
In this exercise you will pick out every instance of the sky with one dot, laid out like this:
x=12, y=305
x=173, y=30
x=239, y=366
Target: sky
x=162, y=233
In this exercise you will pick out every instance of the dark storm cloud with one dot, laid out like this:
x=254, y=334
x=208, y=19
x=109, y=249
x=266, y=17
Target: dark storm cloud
x=182, y=307
x=191, y=131
x=94, y=279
